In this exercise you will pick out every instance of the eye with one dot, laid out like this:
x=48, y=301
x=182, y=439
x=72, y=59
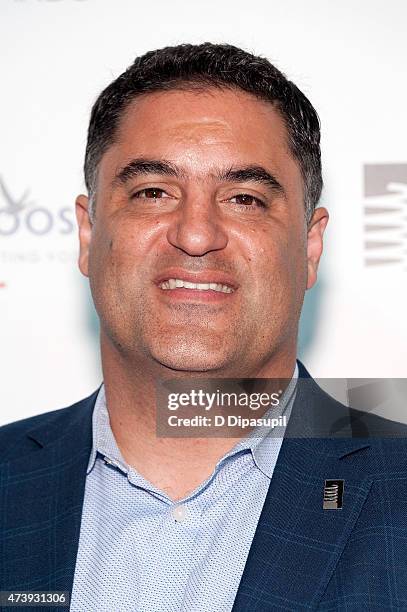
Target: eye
x=150, y=193
x=246, y=200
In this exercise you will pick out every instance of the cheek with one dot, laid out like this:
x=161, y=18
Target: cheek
x=278, y=265
x=120, y=260
x=113, y=248
x=99, y=249
x=105, y=262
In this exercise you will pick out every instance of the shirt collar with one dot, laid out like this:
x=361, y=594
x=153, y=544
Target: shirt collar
x=103, y=439
x=263, y=442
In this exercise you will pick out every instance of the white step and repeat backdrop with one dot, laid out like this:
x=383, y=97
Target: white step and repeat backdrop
x=56, y=55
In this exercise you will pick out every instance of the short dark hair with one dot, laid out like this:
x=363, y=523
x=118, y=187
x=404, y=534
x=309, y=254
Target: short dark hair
x=209, y=65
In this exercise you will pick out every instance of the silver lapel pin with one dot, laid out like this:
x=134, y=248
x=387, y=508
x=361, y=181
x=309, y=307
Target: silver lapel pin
x=333, y=494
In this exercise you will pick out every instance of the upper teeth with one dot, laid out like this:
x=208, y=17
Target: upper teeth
x=173, y=283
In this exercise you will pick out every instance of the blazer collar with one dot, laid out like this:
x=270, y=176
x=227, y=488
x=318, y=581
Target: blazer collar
x=72, y=423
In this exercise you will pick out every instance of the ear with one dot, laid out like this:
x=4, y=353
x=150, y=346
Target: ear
x=316, y=228
x=85, y=231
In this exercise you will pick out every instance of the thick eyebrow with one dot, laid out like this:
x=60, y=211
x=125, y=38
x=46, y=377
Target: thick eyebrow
x=245, y=174
x=142, y=166
x=255, y=174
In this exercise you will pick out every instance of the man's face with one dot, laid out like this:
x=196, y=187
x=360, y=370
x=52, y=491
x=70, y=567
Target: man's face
x=201, y=188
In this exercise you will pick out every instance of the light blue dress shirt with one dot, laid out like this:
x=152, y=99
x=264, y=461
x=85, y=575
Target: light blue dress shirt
x=139, y=551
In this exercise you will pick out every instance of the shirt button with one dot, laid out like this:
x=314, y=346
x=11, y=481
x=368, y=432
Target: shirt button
x=179, y=513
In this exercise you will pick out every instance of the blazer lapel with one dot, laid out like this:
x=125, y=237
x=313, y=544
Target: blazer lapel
x=41, y=497
x=297, y=543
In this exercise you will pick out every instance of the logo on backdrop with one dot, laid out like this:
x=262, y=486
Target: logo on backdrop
x=21, y=218
x=385, y=215
x=20, y=212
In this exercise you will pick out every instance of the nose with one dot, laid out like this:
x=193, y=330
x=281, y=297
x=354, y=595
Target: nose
x=197, y=227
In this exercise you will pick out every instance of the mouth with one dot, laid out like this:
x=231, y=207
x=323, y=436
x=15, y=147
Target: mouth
x=205, y=285
x=177, y=283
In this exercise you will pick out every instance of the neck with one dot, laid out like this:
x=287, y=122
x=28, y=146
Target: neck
x=175, y=465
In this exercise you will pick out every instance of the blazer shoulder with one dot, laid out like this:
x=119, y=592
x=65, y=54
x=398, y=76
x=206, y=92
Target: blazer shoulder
x=365, y=424
x=327, y=416
x=19, y=437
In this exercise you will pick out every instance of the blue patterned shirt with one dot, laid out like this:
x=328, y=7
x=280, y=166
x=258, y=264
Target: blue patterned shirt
x=139, y=551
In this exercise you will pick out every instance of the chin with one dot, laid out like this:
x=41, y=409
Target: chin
x=187, y=352
x=189, y=365
x=188, y=361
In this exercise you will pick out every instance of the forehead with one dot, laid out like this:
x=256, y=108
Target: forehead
x=202, y=130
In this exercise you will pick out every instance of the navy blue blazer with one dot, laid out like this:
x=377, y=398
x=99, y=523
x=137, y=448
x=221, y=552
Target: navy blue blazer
x=303, y=557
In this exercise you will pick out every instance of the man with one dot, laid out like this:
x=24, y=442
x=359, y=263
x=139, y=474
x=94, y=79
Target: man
x=200, y=235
